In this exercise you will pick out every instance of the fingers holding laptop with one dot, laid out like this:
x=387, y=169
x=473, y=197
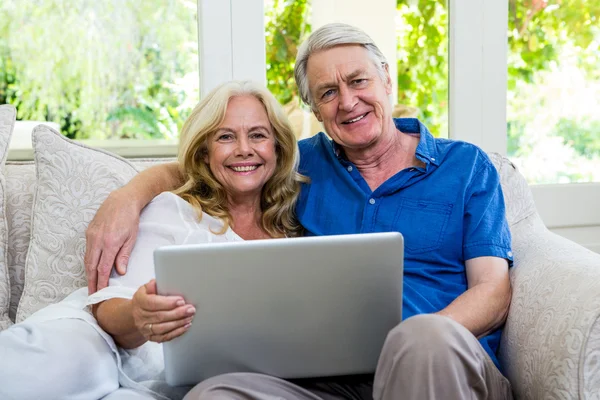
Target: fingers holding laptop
x=160, y=318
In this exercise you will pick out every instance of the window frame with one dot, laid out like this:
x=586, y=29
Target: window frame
x=477, y=108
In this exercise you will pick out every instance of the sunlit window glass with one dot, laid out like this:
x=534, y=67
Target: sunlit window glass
x=554, y=90
x=422, y=32
x=109, y=69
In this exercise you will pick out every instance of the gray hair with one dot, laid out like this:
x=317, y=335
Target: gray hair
x=326, y=37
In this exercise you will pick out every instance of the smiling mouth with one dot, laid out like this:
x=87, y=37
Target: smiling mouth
x=351, y=121
x=246, y=168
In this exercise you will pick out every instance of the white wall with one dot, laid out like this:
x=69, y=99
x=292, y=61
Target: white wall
x=231, y=37
x=572, y=211
x=587, y=236
x=478, y=72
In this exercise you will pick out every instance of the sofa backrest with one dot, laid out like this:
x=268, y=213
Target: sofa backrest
x=20, y=182
x=20, y=177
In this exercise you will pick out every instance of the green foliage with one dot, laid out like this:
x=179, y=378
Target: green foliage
x=101, y=69
x=515, y=130
x=553, y=59
x=285, y=28
x=583, y=135
x=539, y=29
x=538, y=33
x=128, y=69
x=422, y=60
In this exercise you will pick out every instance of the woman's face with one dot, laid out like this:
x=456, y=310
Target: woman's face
x=241, y=154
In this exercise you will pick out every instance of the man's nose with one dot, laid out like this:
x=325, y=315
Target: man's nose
x=347, y=99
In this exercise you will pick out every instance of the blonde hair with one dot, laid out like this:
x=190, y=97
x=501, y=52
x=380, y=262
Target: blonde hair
x=204, y=192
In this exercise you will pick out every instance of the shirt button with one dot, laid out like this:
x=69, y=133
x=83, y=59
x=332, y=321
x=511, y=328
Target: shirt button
x=372, y=201
x=350, y=168
x=510, y=254
x=412, y=169
x=432, y=159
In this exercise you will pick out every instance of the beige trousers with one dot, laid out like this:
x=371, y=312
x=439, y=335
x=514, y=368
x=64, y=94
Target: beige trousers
x=424, y=357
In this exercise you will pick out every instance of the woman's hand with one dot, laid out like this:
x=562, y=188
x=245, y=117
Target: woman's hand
x=160, y=318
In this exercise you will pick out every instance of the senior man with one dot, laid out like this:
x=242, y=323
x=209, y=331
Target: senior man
x=376, y=174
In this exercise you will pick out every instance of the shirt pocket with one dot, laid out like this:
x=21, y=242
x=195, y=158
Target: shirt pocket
x=423, y=224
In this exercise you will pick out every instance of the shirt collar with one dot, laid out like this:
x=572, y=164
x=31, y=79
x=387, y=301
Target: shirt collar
x=426, y=149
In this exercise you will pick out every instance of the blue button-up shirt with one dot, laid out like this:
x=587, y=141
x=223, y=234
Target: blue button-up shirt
x=449, y=211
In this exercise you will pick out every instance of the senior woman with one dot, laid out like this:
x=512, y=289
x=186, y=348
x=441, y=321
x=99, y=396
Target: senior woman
x=239, y=158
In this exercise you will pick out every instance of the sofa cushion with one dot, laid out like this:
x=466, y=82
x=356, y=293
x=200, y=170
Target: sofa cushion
x=591, y=362
x=517, y=194
x=549, y=345
x=7, y=123
x=20, y=184
x=72, y=180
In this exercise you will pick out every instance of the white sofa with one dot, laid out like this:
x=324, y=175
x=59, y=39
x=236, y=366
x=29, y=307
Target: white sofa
x=551, y=343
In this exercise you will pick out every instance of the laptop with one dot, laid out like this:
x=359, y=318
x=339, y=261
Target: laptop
x=291, y=308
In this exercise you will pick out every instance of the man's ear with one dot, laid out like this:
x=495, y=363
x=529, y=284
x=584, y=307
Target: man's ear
x=388, y=79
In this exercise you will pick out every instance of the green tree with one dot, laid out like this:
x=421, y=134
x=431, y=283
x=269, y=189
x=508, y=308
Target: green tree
x=285, y=28
x=540, y=32
x=582, y=135
x=539, y=29
x=101, y=69
x=422, y=60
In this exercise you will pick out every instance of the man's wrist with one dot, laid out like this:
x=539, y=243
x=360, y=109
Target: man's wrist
x=132, y=196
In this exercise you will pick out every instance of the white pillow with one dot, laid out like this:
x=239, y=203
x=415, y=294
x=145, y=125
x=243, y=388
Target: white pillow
x=7, y=124
x=20, y=187
x=72, y=181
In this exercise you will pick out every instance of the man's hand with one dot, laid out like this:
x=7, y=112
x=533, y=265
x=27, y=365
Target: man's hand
x=160, y=318
x=110, y=237
x=111, y=234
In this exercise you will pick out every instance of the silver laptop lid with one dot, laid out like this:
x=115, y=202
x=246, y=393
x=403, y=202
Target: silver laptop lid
x=293, y=308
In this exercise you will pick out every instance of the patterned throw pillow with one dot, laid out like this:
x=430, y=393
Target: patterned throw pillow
x=72, y=181
x=7, y=124
x=20, y=187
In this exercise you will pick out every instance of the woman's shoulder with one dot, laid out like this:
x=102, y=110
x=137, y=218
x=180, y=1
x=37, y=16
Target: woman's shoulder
x=167, y=208
x=168, y=199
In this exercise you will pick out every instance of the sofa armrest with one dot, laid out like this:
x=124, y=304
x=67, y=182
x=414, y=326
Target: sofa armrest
x=551, y=342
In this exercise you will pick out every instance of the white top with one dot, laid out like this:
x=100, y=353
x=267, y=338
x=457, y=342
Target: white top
x=167, y=220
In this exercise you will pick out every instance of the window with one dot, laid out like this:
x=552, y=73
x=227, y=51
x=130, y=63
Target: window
x=479, y=67
x=101, y=70
x=453, y=61
x=554, y=90
x=422, y=60
x=287, y=25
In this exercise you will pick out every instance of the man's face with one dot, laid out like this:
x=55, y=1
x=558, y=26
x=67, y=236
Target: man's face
x=349, y=96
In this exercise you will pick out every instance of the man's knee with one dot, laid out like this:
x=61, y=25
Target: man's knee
x=425, y=333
